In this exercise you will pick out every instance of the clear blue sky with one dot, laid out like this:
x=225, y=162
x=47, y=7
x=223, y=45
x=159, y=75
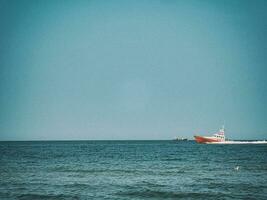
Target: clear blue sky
x=132, y=69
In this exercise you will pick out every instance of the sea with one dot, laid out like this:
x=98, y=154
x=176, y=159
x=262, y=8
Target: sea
x=132, y=170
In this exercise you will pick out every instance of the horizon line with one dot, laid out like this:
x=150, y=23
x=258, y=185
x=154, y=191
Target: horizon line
x=58, y=140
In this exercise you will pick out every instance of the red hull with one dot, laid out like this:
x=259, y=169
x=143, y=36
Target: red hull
x=201, y=139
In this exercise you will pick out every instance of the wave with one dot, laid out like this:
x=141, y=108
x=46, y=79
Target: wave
x=46, y=196
x=116, y=171
x=166, y=194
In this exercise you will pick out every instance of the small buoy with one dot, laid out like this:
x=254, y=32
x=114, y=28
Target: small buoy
x=237, y=168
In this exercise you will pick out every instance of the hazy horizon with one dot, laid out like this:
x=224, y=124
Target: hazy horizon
x=143, y=70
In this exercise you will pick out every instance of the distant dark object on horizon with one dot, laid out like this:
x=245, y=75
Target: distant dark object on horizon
x=180, y=139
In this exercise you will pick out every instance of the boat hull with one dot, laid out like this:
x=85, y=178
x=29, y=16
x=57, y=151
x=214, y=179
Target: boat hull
x=204, y=140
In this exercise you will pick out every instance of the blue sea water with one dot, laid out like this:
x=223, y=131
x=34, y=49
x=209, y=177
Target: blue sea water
x=131, y=170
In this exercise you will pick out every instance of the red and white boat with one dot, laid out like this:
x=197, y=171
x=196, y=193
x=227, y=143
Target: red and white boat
x=215, y=138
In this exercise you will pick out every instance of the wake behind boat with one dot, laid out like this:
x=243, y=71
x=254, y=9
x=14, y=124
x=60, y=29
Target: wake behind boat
x=240, y=142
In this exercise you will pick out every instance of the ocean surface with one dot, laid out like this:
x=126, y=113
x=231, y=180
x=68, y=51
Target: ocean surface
x=132, y=170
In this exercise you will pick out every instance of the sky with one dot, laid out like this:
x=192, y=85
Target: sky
x=119, y=70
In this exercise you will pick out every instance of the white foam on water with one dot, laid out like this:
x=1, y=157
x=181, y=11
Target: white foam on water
x=236, y=168
x=240, y=142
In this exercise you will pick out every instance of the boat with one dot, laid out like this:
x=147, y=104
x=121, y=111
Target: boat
x=180, y=139
x=215, y=138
